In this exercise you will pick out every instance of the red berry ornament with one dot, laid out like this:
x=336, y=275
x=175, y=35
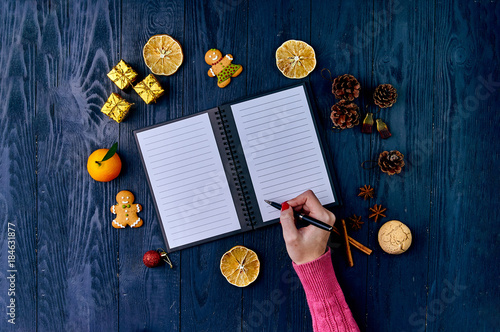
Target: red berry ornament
x=151, y=258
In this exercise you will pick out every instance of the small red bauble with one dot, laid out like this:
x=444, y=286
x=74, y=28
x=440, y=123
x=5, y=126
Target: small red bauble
x=151, y=258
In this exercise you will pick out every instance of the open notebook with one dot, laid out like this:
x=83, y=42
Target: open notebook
x=210, y=172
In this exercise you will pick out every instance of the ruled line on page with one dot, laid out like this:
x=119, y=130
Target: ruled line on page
x=267, y=102
x=182, y=199
x=281, y=157
x=288, y=129
x=292, y=174
x=212, y=205
x=273, y=107
x=281, y=148
x=176, y=161
x=294, y=178
x=295, y=167
x=283, y=138
x=183, y=170
x=277, y=147
x=170, y=143
x=265, y=116
x=297, y=157
x=278, y=196
x=202, y=232
x=176, y=136
x=203, y=219
x=293, y=184
x=188, y=180
x=183, y=153
x=289, y=150
x=163, y=152
x=181, y=181
x=170, y=131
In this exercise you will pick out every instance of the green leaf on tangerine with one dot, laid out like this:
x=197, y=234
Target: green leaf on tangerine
x=111, y=152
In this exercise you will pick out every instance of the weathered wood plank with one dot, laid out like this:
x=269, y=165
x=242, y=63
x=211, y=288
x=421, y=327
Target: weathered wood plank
x=149, y=298
x=209, y=302
x=403, y=57
x=19, y=36
x=77, y=263
x=276, y=301
x=344, y=44
x=76, y=272
x=463, y=267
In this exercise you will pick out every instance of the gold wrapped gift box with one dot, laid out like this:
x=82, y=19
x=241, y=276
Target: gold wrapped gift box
x=116, y=107
x=149, y=89
x=122, y=75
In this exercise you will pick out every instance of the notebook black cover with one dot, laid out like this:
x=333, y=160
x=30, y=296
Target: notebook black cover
x=236, y=168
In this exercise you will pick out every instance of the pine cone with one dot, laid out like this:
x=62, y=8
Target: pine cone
x=346, y=87
x=391, y=162
x=345, y=115
x=385, y=95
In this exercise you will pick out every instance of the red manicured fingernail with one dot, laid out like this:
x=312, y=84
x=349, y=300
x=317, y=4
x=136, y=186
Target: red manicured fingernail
x=284, y=206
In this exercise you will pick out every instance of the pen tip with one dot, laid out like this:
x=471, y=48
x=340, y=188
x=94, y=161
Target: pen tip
x=268, y=202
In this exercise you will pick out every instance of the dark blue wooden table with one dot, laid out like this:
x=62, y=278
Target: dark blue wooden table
x=74, y=272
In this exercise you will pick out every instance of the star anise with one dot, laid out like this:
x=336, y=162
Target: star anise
x=366, y=192
x=356, y=222
x=377, y=212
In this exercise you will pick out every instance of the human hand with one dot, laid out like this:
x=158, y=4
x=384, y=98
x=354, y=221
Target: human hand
x=308, y=243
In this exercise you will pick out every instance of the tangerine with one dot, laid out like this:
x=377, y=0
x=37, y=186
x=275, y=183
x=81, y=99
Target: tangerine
x=103, y=171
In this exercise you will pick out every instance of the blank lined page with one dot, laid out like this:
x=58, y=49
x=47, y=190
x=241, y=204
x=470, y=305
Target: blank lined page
x=281, y=148
x=188, y=180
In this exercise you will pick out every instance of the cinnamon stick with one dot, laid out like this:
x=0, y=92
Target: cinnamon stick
x=354, y=243
x=347, y=246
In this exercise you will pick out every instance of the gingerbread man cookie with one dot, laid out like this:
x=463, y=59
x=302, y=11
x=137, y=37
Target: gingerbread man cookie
x=222, y=67
x=126, y=211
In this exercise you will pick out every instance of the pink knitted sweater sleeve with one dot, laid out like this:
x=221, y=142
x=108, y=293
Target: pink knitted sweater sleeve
x=326, y=301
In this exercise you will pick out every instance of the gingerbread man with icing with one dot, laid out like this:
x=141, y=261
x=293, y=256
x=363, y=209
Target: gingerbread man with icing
x=222, y=67
x=126, y=211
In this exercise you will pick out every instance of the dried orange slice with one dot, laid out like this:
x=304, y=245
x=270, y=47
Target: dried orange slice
x=240, y=266
x=163, y=55
x=295, y=59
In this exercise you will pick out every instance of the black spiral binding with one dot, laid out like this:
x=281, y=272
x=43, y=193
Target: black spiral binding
x=237, y=174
